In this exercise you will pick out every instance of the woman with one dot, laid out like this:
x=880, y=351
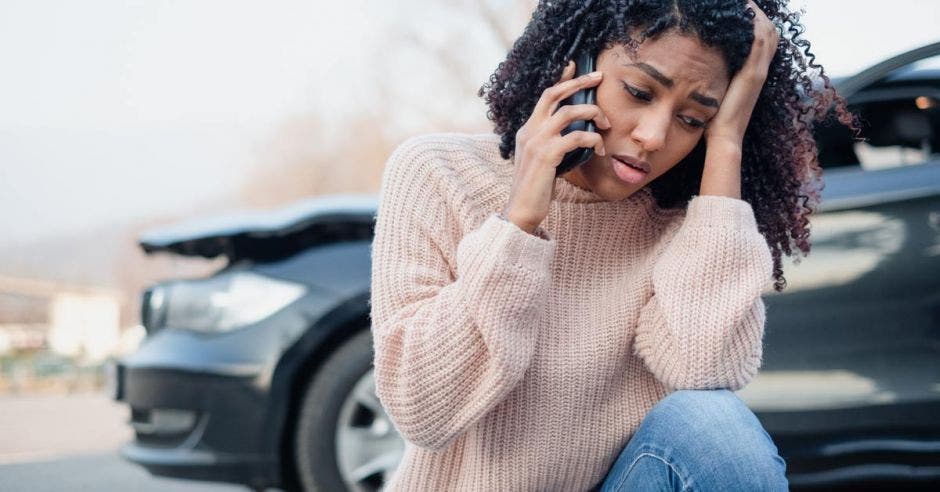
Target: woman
x=586, y=332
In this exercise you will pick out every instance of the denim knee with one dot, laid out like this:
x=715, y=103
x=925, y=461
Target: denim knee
x=718, y=437
x=704, y=410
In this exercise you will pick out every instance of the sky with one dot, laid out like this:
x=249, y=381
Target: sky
x=114, y=110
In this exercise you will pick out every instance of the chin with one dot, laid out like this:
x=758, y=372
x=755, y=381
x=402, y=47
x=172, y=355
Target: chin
x=612, y=189
x=627, y=194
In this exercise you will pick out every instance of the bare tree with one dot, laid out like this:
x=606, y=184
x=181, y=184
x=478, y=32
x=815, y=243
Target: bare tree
x=296, y=163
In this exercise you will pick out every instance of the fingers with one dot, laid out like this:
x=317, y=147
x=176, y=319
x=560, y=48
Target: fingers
x=568, y=72
x=764, y=28
x=553, y=95
x=578, y=139
x=572, y=112
x=764, y=45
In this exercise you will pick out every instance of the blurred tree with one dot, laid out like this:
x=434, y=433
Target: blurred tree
x=307, y=157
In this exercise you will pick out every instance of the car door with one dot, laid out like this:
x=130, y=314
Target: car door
x=850, y=384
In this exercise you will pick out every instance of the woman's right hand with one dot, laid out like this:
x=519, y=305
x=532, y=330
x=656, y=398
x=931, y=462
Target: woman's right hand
x=540, y=147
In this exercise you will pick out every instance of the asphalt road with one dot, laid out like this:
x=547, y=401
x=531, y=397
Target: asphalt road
x=38, y=427
x=70, y=443
x=104, y=472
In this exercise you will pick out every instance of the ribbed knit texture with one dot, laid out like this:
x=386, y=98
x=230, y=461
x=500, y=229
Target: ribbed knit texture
x=516, y=362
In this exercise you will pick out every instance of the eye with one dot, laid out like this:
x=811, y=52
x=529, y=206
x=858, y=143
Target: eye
x=643, y=96
x=694, y=123
x=646, y=96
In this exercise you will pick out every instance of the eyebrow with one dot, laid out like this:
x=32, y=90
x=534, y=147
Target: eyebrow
x=666, y=81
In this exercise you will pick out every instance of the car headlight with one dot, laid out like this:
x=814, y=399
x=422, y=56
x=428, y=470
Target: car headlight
x=153, y=308
x=217, y=304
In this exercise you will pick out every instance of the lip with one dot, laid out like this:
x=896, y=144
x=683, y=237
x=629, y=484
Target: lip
x=633, y=161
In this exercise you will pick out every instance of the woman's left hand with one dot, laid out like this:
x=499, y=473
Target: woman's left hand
x=733, y=115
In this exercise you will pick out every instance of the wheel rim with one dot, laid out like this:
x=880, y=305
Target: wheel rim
x=368, y=448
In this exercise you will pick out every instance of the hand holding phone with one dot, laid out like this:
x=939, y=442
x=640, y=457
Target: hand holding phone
x=583, y=65
x=553, y=131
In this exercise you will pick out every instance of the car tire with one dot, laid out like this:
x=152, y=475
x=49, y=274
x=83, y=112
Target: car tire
x=341, y=396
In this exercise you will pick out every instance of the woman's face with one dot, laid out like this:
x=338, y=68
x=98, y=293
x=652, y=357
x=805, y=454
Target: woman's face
x=656, y=102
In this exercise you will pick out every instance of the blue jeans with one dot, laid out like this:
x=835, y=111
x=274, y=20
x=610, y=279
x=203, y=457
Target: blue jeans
x=698, y=440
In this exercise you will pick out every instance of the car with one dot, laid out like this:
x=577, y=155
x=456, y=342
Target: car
x=244, y=375
x=850, y=383
x=261, y=373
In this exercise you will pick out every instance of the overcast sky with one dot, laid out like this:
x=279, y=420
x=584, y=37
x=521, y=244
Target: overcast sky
x=119, y=109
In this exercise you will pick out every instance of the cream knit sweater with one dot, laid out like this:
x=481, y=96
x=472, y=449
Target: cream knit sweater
x=515, y=362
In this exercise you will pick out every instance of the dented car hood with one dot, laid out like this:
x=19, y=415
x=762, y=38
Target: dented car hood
x=268, y=234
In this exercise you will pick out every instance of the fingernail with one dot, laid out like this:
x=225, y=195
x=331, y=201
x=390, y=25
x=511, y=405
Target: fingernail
x=595, y=75
x=602, y=151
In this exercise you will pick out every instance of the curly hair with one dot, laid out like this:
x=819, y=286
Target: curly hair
x=780, y=173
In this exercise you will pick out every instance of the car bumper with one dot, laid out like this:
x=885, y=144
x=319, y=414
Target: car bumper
x=184, y=416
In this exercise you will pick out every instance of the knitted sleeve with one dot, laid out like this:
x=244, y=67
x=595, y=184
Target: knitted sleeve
x=450, y=343
x=703, y=326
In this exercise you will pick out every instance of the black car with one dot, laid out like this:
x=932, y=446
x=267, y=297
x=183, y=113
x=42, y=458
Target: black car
x=261, y=373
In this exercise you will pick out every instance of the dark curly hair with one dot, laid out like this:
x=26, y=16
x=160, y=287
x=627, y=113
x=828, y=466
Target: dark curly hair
x=780, y=173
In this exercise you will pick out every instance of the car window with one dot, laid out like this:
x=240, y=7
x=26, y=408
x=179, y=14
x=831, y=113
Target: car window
x=899, y=117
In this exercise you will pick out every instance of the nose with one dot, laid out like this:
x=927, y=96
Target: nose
x=650, y=130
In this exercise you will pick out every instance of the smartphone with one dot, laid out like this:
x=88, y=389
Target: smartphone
x=584, y=64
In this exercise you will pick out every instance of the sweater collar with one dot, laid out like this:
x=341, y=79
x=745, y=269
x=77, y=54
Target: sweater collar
x=565, y=191
x=568, y=192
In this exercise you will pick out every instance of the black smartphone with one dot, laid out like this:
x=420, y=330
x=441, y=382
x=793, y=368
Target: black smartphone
x=584, y=63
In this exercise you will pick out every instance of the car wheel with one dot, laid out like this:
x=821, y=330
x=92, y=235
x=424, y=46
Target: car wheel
x=344, y=439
